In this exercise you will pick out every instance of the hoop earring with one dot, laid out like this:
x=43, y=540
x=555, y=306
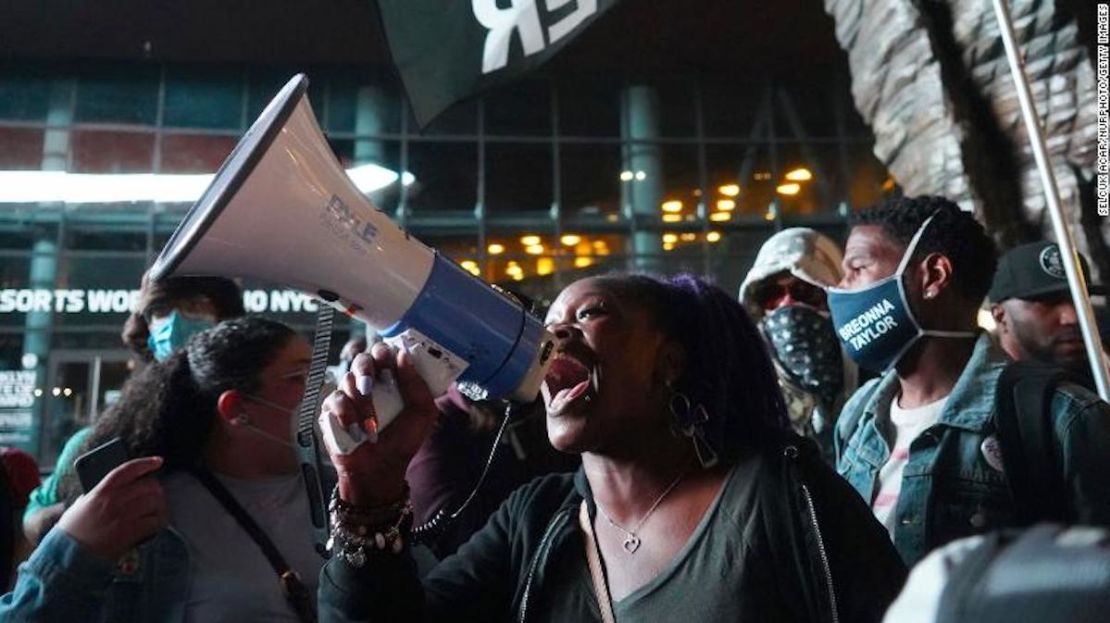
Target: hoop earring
x=689, y=420
x=240, y=419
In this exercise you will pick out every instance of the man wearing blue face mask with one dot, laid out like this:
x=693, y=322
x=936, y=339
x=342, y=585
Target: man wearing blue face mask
x=173, y=310
x=168, y=314
x=919, y=443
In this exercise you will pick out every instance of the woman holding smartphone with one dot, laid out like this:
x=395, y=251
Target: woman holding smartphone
x=163, y=537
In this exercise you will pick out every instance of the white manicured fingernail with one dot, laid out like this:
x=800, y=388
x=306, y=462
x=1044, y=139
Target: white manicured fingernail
x=364, y=384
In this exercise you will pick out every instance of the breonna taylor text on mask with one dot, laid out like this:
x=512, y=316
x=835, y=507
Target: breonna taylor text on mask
x=869, y=325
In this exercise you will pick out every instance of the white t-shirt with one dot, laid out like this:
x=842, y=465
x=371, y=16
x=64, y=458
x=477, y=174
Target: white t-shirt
x=230, y=579
x=908, y=424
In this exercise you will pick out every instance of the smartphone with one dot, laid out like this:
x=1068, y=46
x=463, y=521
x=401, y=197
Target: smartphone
x=95, y=464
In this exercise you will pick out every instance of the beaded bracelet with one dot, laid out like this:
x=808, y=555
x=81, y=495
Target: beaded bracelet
x=349, y=513
x=358, y=531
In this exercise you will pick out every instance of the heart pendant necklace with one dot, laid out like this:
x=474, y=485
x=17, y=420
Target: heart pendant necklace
x=631, y=537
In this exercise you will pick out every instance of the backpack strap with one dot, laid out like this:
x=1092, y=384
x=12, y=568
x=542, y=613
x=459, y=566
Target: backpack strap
x=1024, y=423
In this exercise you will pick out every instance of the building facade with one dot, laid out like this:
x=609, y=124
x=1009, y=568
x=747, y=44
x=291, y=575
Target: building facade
x=531, y=186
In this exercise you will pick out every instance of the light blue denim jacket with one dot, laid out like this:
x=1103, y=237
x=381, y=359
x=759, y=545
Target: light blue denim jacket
x=62, y=581
x=949, y=489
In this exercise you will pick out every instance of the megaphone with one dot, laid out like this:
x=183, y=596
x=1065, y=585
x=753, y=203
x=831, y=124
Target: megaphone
x=282, y=209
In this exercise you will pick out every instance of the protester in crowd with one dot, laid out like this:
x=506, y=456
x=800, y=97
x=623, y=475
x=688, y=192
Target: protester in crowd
x=784, y=293
x=174, y=309
x=694, y=494
x=920, y=443
x=219, y=414
x=1032, y=306
x=21, y=476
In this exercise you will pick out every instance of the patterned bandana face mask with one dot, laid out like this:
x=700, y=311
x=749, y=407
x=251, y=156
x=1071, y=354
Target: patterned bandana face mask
x=805, y=347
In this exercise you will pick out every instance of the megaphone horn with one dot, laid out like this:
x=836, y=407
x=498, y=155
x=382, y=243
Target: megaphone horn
x=281, y=209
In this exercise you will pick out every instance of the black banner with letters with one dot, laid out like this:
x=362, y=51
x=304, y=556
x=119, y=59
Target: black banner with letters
x=448, y=50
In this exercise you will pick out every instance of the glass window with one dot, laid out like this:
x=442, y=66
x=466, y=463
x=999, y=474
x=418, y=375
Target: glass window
x=731, y=108
x=460, y=119
x=25, y=92
x=522, y=108
x=22, y=148
x=681, y=180
x=589, y=107
x=869, y=180
x=93, y=236
x=591, y=184
x=518, y=177
x=739, y=179
x=803, y=184
x=97, y=151
x=357, y=107
x=203, y=97
x=118, y=93
x=193, y=153
x=798, y=97
x=677, y=107
x=446, y=176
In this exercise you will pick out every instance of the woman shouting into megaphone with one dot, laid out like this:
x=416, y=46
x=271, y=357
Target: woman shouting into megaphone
x=694, y=501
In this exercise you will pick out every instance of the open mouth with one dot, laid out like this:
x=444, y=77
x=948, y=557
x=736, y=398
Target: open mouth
x=569, y=381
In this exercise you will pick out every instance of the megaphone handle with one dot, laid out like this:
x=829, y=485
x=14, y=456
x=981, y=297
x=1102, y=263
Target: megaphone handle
x=387, y=399
x=438, y=367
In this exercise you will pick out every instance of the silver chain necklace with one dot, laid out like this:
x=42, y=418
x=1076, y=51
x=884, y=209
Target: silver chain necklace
x=631, y=538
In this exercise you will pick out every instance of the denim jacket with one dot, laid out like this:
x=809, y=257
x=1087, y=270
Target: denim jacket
x=62, y=581
x=952, y=487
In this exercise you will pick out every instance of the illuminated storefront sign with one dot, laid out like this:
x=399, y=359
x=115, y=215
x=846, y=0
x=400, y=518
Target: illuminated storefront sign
x=63, y=301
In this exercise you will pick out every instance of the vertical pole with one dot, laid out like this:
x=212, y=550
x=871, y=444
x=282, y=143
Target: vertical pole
x=1076, y=281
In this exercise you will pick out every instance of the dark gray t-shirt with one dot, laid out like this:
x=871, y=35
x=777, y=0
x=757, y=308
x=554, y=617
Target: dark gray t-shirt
x=714, y=576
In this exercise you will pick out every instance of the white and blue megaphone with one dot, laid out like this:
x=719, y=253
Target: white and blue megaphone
x=282, y=209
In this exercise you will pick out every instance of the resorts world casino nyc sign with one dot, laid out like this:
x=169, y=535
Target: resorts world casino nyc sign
x=24, y=301
x=448, y=50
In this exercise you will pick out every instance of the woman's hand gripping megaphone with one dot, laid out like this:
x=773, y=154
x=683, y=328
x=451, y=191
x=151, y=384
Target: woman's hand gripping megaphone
x=372, y=465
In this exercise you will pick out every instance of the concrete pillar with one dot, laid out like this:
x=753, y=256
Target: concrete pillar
x=44, y=261
x=371, y=111
x=372, y=106
x=644, y=192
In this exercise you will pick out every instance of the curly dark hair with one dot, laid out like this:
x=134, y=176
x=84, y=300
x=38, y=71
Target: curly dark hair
x=160, y=296
x=728, y=369
x=953, y=232
x=168, y=408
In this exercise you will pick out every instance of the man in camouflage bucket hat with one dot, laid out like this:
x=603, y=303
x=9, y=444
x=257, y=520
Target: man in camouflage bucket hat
x=785, y=294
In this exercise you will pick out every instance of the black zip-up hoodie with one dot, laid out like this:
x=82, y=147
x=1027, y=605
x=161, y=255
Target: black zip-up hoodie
x=821, y=532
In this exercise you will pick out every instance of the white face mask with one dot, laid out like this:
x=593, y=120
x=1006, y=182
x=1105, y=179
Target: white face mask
x=291, y=412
